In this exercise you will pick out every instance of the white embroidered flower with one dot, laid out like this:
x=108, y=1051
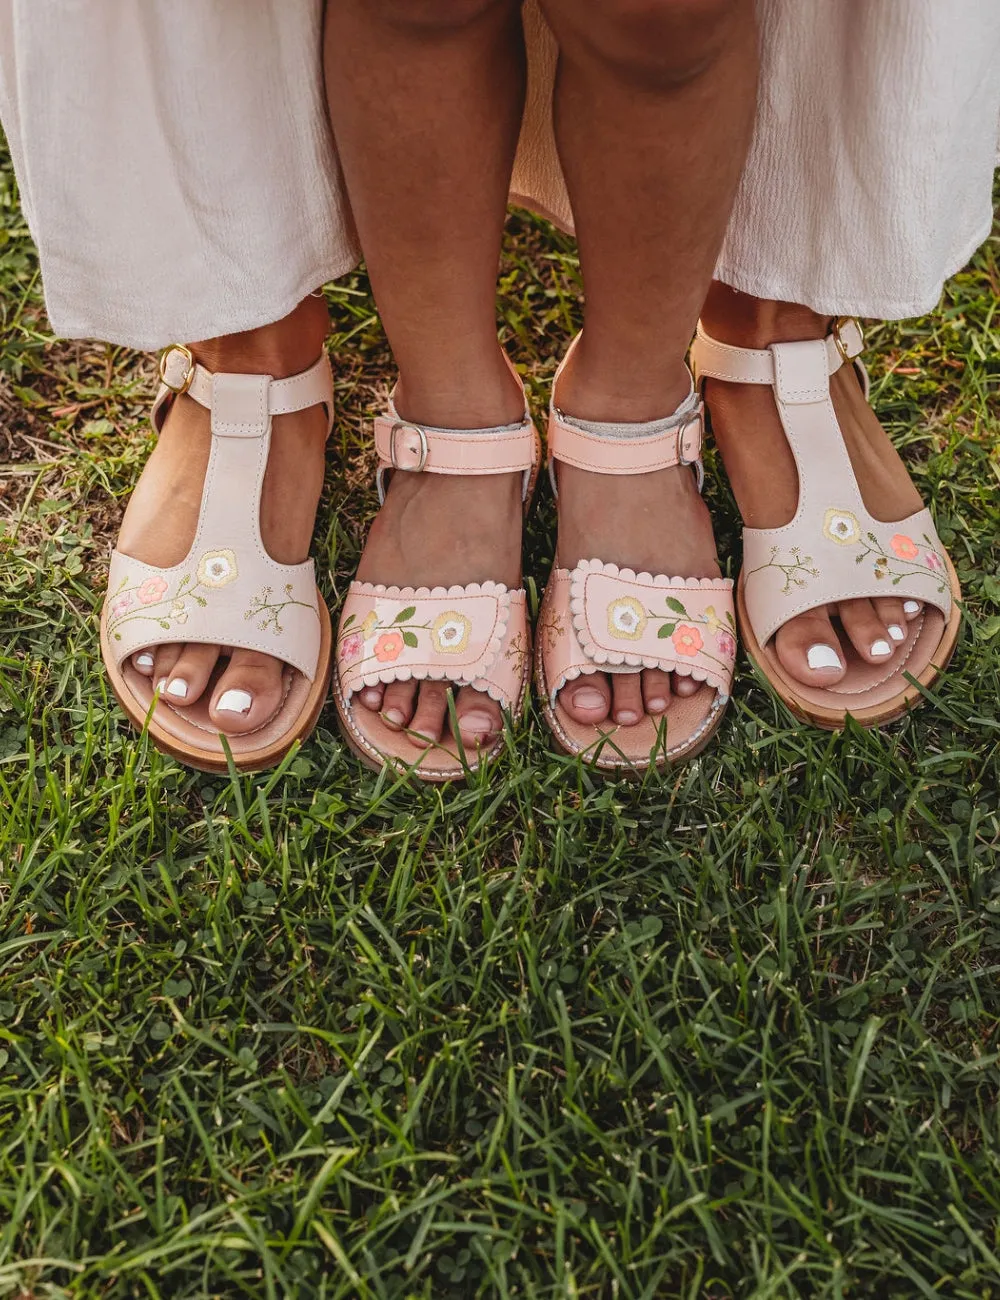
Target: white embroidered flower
x=450, y=632
x=842, y=527
x=626, y=618
x=217, y=568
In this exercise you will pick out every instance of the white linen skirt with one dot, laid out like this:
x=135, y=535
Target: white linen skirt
x=179, y=177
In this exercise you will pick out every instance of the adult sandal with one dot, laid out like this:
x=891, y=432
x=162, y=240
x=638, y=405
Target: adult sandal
x=599, y=618
x=833, y=549
x=476, y=635
x=228, y=591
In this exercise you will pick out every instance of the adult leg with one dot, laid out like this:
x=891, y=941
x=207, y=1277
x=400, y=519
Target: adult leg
x=426, y=99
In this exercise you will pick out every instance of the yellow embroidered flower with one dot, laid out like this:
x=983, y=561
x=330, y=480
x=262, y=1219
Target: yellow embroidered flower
x=712, y=620
x=218, y=568
x=450, y=632
x=626, y=619
x=368, y=626
x=842, y=527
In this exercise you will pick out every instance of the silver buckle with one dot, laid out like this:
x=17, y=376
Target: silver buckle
x=424, y=449
x=694, y=418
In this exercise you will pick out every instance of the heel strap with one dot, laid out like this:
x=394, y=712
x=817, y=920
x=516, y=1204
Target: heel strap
x=711, y=359
x=241, y=405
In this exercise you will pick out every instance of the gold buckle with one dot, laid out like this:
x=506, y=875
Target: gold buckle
x=838, y=338
x=188, y=377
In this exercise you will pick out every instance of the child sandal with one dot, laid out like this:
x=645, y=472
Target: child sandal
x=228, y=591
x=476, y=635
x=833, y=549
x=599, y=618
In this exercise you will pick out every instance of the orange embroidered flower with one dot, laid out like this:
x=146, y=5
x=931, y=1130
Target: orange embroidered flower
x=904, y=546
x=687, y=640
x=388, y=647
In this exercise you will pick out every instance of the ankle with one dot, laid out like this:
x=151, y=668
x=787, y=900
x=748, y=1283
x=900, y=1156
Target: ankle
x=481, y=397
x=284, y=348
x=741, y=320
x=595, y=388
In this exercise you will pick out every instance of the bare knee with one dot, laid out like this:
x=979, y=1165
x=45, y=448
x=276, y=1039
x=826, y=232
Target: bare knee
x=658, y=44
x=436, y=17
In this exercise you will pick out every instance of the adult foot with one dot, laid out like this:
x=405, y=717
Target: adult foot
x=655, y=522
x=444, y=530
x=161, y=518
x=761, y=469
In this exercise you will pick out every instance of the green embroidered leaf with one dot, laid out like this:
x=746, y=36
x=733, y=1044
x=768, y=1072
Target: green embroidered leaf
x=405, y=614
x=666, y=630
x=410, y=639
x=674, y=604
x=351, y=618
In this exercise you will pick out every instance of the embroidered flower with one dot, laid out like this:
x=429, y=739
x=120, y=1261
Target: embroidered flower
x=687, y=640
x=933, y=560
x=712, y=620
x=626, y=618
x=450, y=632
x=151, y=590
x=351, y=647
x=121, y=606
x=841, y=526
x=388, y=647
x=881, y=568
x=218, y=568
x=178, y=611
x=904, y=546
x=726, y=644
x=369, y=625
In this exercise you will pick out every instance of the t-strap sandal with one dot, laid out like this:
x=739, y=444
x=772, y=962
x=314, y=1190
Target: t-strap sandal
x=228, y=591
x=477, y=635
x=833, y=549
x=599, y=618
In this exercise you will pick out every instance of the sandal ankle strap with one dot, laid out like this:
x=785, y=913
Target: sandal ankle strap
x=679, y=445
x=711, y=359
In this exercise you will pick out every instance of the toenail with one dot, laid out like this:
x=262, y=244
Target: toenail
x=880, y=649
x=626, y=717
x=911, y=607
x=395, y=717
x=589, y=699
x=178, y=688
x=161, y=685
x=656, y=705
x=823, y=656
x=896, y=632
x=144, y=661
x=234, y=702
x=475, y=725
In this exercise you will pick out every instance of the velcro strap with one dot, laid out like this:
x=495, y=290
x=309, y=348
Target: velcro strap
x=679, y=445
x=711, y=359
x=413, y=448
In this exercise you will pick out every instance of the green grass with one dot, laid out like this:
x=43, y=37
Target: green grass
x=728, y=1032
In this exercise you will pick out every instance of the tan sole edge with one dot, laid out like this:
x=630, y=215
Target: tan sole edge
x=834, y=719
x=206, y=761
x=616, y=766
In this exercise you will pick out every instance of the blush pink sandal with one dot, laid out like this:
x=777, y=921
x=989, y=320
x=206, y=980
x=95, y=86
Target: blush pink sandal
x=833, y=549
x=598, y=618
x=228, y=591
x=476, y=635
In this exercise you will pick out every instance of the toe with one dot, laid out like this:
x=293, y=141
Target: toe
x=431, y=711
x=373, y=697
x=479, y=718
x=164, y=658
x=248, y=693
x=189, y=676
x=655, y=691
x=587, y=699
x=626, y=692
x=890, y=612
x=868, y=634
x=399, y=699
x=809, y=649
x=685, y=685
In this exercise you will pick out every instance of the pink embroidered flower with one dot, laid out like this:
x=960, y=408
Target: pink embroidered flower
x=726, y=644
x=904, y=546
x=151, y=590
x=933, y=560
x=687, y=640
x=388, y=647
x=120, y=606
x=351, y=647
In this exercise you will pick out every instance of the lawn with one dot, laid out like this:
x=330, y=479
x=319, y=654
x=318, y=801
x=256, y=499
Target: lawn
x=727, y=1032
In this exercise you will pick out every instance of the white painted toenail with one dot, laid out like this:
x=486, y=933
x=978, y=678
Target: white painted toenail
x=880, y=649
x=395, y=717
x=235, y=702
x=911, y=607
x=626, y=717
x=896, y=632
x=589, y=700
x=144, y=661
x=823, y=656
x=161, y=685
x=178, y=688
